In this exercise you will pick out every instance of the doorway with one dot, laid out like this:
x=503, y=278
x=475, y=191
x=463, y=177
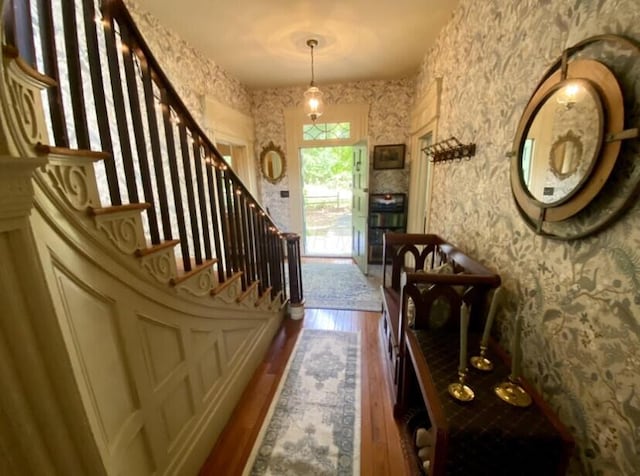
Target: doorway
x=326, y=174
x=424, y=126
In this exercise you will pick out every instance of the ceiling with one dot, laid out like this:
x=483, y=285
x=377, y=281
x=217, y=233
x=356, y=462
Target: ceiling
x=263, y=42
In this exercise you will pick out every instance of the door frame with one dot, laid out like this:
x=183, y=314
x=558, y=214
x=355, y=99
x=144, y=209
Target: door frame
x=305, y=218
x=223, y=124
x=424, y=120
x=295, y=118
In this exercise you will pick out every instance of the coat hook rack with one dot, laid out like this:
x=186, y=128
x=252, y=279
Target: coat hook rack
x=449, y=149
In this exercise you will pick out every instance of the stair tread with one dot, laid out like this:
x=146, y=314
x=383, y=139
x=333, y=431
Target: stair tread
x=151, y=249
x=10, y=51
x=184, y=275
x=264, y=296
x=225, y=284
x=247, y=292
x=117, y=208
x=43, y=149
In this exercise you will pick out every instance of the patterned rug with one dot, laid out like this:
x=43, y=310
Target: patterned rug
x=340, y=286
x=313, y=424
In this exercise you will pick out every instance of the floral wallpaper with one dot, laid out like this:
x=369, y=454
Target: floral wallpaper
x=192, y=74
x=579, y=300
x=389, y=115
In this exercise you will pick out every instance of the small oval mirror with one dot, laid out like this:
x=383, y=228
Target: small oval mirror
x=272, y=163
x=566, y=155
x=562, y=142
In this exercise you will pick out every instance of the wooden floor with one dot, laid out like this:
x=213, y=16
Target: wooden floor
x=381, y=452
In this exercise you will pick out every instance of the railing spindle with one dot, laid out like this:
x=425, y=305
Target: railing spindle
x=278, y=260
x=156, y=152
x=191, y=202
x=202, y=199
x=240, y=241
x=281, y=260
x=175, y=181
x=119, y=107
x=249, y=210
x=255, y=242
x=97, y=87
x=216, y=222
x=19, y=31
x=223, y=208
x=9, y=23
x=50, y=62
x=248, y=253
x=273, y=268
x=232, y=238
x=264, y=249
x=136, y=119
x=75, y=74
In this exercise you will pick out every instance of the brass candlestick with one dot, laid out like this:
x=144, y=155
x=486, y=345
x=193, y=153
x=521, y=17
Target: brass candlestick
x=481, y=362
x=512, y=393
x=459, y=390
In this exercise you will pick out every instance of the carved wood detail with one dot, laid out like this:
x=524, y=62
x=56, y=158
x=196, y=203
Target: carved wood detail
x=161, y=265
x=124, y=229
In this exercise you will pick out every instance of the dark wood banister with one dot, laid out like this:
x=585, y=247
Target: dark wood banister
x=117, y=10
x=252, y=243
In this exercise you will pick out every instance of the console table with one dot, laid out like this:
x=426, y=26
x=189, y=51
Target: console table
x=485, y=436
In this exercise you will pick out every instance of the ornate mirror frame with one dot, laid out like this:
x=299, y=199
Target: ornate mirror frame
x=273, y=164
x=558, y=148
x=592, y=203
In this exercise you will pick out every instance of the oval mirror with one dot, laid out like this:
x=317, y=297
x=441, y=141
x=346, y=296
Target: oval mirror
x=562, y=142
x=272, y=163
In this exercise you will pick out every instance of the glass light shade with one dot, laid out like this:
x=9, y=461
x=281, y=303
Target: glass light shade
x=313, y=105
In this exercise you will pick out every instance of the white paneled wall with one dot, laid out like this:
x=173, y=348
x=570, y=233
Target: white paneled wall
x=156, y=371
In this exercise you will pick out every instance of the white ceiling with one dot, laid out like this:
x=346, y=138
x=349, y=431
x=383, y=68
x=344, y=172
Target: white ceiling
x=263, y=42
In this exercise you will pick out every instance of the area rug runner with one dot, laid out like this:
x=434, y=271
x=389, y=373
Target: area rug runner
x=339, y=286
x=313, y=424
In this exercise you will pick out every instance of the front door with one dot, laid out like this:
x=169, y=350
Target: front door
x=360, y=205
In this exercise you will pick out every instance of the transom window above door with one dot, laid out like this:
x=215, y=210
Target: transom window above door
x=326, y=131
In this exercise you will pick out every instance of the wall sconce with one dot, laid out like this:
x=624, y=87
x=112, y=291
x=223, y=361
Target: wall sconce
x=449, y=149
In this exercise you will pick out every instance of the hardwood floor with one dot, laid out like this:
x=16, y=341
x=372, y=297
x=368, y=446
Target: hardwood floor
x=381, y=452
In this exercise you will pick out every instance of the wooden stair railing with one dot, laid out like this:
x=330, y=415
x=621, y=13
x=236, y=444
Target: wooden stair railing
x=115, y=98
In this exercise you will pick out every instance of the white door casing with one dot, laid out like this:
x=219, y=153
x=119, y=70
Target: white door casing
x=356, y=114
x=230, y=126
x=424, y=122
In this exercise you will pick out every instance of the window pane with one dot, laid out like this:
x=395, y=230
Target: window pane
x=326, y=131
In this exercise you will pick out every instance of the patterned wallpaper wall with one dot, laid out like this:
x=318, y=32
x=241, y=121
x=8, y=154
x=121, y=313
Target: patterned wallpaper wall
x=580, y=300
x=192, y=74
x=389, y=115
x=196, y=77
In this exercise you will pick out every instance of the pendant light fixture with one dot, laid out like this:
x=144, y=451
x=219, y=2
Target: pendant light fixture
x=313, y=105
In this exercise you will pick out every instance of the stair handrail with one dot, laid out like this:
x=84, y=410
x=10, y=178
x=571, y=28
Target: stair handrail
x=116, y=9
x=246, y=237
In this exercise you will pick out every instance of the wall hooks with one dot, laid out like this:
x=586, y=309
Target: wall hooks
x=449, y=149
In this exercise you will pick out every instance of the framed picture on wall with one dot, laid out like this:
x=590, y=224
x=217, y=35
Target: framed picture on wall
x=388, y=156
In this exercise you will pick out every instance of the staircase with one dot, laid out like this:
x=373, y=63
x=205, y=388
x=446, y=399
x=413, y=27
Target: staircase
x=140, y=281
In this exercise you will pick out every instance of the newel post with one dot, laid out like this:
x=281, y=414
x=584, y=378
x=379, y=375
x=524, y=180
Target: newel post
x=296, y=301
